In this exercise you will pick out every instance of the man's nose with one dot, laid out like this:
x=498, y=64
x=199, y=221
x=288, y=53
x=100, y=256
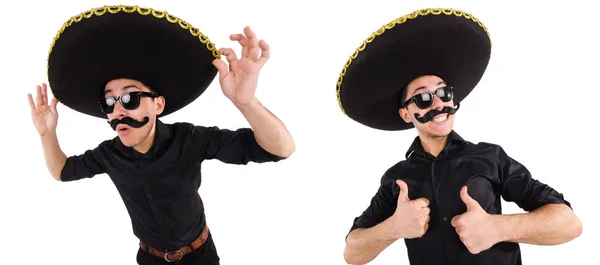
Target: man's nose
x=437, y=104
x=119, y=111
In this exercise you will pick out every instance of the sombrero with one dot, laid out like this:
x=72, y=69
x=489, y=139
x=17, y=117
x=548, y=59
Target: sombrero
x=449, y=43
x=154, y=47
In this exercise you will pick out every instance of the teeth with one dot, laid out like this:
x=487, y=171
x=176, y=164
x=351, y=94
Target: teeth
x=440, y=118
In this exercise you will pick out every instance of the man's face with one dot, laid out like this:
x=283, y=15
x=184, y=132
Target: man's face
x=442, y=124
x=148, y=107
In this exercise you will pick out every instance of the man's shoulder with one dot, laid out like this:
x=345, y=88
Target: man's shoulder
x=484, y=146
x=396, y=170
x=179, y=128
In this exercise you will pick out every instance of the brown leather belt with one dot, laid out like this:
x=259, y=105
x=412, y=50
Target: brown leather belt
x=172, y=256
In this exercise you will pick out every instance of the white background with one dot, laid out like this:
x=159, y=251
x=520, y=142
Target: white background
x=538, y=100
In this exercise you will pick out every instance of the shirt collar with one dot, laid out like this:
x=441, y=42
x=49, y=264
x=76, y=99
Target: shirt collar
x=453, y=140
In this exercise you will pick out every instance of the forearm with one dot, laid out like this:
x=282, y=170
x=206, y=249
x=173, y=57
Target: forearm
x=269, y=131
x=53, y=155
x=364, y=244
x=551, y=224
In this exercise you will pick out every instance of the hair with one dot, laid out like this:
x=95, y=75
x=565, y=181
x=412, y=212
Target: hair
x=402, y=97
x=149, y=88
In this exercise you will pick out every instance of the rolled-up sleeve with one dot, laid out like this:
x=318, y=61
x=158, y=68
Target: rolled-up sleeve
x=86, y=165
x=382, y=206
x=232, y=147
x=519, y=187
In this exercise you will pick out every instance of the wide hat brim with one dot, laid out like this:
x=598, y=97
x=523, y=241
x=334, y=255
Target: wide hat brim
x=448, y=43
x=154, y=47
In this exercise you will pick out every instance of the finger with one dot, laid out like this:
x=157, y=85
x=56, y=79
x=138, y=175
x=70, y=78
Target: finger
x=421, y=202
x=53, y=105
x=403, y=196
x=44, y=94
x=221, y=67
x=252, y=40
x=39, y=99
x=454, y=221
x=469, y=202
x=253, y=49
x=425, y=227
x=229, y=54
x=243, y=41
x=265, y=52
x=239, y=38
x=426, y=211
x=31, y=103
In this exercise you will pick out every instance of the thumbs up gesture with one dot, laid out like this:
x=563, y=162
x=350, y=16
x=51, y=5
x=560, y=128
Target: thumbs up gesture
x=476, y=228
x=411, y=218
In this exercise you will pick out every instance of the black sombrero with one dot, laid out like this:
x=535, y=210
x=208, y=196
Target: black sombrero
x=154, y=47
x=448, y=43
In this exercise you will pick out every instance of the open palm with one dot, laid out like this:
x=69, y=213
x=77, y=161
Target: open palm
x=44, y=115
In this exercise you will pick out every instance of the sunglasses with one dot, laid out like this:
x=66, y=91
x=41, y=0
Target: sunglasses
x=129, y=101
x=425, y=100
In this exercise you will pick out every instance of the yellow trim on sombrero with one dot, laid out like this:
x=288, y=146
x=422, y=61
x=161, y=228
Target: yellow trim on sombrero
x=142, y=11
x=398, y=21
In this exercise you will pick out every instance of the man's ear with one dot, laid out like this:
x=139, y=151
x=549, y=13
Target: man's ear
x=404, y=115
x=159, y=104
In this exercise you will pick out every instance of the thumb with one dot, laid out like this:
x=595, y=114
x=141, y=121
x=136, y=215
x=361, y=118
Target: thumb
x=469, y=202
x=403, y=197
x=221, y=67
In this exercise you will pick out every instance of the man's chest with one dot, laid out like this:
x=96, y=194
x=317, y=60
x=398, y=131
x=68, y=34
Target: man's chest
x=441, y=180
x=162, y=172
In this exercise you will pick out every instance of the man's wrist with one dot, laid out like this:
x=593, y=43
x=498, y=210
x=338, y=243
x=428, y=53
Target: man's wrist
x=506, y=228
x=249, y=106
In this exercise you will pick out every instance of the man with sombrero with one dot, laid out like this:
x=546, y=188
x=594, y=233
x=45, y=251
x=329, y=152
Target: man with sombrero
x=134, y=65
x=444, y=199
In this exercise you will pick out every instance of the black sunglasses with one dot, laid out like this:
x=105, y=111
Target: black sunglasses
x=425, y=100
x=129, y=101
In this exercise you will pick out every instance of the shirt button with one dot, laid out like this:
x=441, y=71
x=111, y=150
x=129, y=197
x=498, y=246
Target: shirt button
x=445, y=219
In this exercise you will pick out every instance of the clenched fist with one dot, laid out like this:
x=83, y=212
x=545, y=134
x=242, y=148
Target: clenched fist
x=411, y=218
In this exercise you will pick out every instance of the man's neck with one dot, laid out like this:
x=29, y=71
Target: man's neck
x=433, y=145
x=146, y=144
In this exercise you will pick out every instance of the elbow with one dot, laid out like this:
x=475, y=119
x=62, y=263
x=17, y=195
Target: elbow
x=351, y=258
x=287, y=150
x=284, y=149
x=576, y=226
x=571, y=225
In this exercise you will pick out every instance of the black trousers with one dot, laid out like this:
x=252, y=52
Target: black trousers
x=204, y=255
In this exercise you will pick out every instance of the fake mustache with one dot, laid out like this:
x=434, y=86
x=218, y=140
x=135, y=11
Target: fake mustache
x=128, y=121
x=434, y=112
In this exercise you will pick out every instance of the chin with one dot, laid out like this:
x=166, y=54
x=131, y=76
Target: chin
x=127, y=143
x=440, y=130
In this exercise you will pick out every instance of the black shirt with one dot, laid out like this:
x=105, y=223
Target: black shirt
x=488, y=172
x=160, y=188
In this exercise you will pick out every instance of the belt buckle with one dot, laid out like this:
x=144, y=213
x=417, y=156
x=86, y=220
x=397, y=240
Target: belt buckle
x=173, y=252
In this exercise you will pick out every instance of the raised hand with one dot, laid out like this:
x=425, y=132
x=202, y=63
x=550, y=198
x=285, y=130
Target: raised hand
x=476, y=228
x=44, y=115
x=240, y=79
x=411, y=219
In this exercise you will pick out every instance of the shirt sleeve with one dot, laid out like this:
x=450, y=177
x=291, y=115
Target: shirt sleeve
x=86, y=165
x=519, y=187
x=382, y=206
x=232, y=147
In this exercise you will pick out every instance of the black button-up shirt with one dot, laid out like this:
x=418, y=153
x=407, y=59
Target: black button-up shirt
x=160, y=188
x=488, y=172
